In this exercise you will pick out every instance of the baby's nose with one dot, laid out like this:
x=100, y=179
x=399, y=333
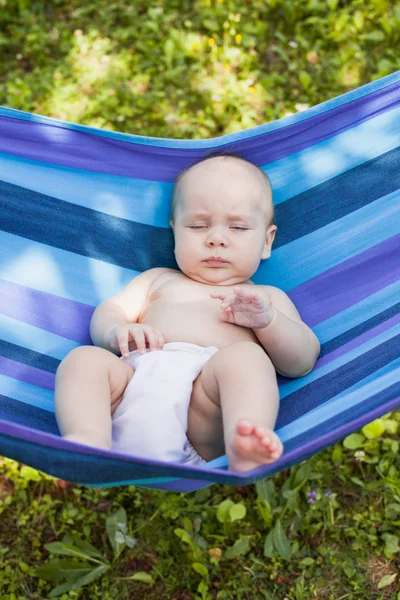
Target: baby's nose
x=217, y=237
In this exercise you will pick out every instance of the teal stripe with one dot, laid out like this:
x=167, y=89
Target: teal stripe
x=289, y=266
x=139, y=200
x=213, y=142
x=375, y=383
x=47, y=343
x=59, y=272
x=42, y=398
x=34, y=338
x=312, y=166
x=27, y=393
x=140, y=482
x=148, y=202
x=297, y=384
x=309, y=256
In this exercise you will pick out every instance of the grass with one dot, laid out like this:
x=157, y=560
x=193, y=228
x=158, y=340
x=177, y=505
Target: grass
x=326, y=529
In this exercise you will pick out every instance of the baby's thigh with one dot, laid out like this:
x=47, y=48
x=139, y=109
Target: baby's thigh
x=205, y=427
x=93, y=370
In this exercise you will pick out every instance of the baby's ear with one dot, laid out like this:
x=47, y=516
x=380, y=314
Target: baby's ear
x=269, y=240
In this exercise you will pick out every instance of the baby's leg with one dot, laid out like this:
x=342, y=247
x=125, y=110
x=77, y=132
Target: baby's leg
x=240, y=379
x=90, y=382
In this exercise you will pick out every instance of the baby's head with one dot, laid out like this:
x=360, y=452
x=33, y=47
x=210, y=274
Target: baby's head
x=222, y=207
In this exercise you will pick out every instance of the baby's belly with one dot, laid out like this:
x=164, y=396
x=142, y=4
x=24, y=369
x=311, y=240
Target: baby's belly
x=203, y=329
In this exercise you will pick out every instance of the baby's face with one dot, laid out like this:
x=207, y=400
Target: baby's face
x=223, y=210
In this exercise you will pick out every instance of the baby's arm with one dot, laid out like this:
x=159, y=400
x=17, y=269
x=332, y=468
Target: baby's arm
x=291, y=345
x=122, y=309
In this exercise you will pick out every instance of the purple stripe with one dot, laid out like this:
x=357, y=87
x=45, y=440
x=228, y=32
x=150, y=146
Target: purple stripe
x=55, y=441
x=289, y=458
x=66, y=318
x=26, y=373
x=349, y=282
x=365, y=337
x=67, y=147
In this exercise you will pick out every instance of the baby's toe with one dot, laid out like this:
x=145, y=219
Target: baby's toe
x=260, y=433
x=245, y=428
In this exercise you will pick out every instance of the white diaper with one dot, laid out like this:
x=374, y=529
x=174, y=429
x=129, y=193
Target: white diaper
x=152, y=419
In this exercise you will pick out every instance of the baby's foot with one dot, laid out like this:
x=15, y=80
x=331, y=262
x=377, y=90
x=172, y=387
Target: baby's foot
x=253, y=447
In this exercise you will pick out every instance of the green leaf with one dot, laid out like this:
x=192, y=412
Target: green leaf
x=307, y=562
x=201, y=569
x=353, y=441
x=305, y=79
x=292, y=497
x=374, y=429
x=281, y=542
x=66, y=550
x=386, y=580
x=359, y=19
x=265, y=489
x=183, y=535
x=302, y=474
x=116, y=523
x=391, y=544
x=374, y=36
x=223, y=515
x=58, y=569
x=239, y=548
x=87, y=548
x=269, y=548
x=143, y=577
x=391, y=426
x=80, y=582
x=237, y=512
x=358, y=481
x=29, y=474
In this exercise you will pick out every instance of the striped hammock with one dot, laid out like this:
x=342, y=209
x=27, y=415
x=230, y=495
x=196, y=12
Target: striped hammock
x=83, y=211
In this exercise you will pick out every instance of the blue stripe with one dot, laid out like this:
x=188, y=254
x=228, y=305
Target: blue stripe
x=27, y=415
x=345, y=402
x=144, y=201
x=356, y=411
x=29, y=357
x=322, y=108
x=342, y=195
x=84, y=231
x=148, y=201
x=356, y=314
x=64, y=274
x=297, y=173
x=354, y=332
x=113, y=240
x=303, y=259
x=29, y=395
x=23, y=340
x=326, y=371
x=324, y=388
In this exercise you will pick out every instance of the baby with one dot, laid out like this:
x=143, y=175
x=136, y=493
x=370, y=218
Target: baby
x=200, y=346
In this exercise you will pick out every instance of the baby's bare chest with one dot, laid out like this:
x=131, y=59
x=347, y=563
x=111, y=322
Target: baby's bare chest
x=184, y=311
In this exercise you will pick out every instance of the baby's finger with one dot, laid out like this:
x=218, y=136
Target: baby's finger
x=230, y=300
x=161, y=340
x=219, y=294
x=152, y=338
x=122, y=339
x=245, y=297
x=138, y=336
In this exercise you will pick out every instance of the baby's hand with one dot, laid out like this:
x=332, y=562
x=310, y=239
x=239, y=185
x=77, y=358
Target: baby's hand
x=247, y=309
x=126, y=338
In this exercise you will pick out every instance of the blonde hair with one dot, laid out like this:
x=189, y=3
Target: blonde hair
x=178, y=179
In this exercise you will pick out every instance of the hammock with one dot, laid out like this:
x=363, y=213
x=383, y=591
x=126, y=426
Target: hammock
x=83, y=211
